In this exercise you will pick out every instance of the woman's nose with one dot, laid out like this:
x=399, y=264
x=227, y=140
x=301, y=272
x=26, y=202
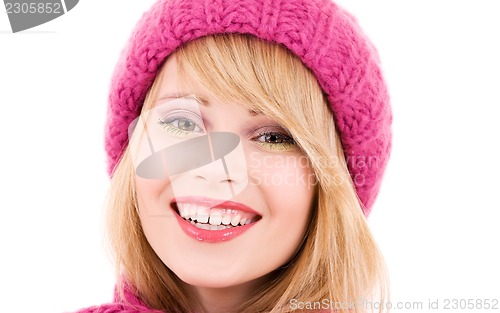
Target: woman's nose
x=209, y=160
x=227, y=162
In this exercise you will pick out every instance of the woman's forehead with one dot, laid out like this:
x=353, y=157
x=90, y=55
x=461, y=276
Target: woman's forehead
x=175, y=85
x=193, y=98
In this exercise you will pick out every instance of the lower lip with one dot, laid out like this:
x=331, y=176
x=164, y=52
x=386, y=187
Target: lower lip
x=211, y=236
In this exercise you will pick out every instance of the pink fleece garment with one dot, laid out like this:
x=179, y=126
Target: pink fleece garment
x=131, y=304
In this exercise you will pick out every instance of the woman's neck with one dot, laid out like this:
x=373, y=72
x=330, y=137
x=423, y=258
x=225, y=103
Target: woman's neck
x=220, y=300
x=226, y=299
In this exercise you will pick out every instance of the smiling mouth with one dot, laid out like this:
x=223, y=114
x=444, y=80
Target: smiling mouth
x=223, y=216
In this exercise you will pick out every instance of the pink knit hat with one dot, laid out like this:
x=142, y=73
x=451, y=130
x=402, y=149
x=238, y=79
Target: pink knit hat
x=325, y=37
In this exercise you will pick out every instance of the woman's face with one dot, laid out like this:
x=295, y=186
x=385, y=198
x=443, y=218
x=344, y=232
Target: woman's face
x=224, y=194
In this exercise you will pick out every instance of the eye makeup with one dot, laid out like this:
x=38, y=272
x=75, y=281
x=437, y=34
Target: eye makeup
x=273, y=138
x=182, y=123
x=180, y=117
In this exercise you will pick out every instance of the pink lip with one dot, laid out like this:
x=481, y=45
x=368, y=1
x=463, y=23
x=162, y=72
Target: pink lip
x=212, y=236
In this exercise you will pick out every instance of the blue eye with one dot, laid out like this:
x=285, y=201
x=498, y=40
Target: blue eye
x=180, y=125
x=184, y=124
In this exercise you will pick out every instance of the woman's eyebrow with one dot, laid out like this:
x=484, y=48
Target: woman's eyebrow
x=255, y=112
x=191, y=95
x=202, y=100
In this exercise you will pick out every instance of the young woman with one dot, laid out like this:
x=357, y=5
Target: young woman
x=247, y=141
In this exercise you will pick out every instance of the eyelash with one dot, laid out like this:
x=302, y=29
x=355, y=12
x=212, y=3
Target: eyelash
x=168, y=125
x=287, y=142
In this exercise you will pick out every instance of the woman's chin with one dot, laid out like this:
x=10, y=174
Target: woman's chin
x=216, y=279
x=212, y=281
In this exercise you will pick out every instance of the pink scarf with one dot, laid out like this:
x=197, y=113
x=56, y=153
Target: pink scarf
x=131, y=304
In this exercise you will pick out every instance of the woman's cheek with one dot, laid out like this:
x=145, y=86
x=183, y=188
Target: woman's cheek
x=152, y=196
x=287, y=181
x=286, y=172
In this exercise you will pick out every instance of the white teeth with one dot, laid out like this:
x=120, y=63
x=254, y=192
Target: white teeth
x=203, y=226
x=212, y=227
x=193, y=212
x=216, y=227
x=215, y=217
x=183, y=211
x=209, y=227
x=202, y=217
x=235, y=220
x=226, y=219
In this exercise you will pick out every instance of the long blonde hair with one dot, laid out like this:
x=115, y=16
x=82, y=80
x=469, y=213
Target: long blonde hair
x=338, y=260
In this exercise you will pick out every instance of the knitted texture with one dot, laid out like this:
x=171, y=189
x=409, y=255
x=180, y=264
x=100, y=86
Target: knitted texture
x=326, y=38
x=130, y=304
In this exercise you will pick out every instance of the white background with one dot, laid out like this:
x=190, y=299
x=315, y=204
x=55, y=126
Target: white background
x=436, y=218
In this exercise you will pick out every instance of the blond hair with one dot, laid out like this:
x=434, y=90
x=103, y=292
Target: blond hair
x=338, y=259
